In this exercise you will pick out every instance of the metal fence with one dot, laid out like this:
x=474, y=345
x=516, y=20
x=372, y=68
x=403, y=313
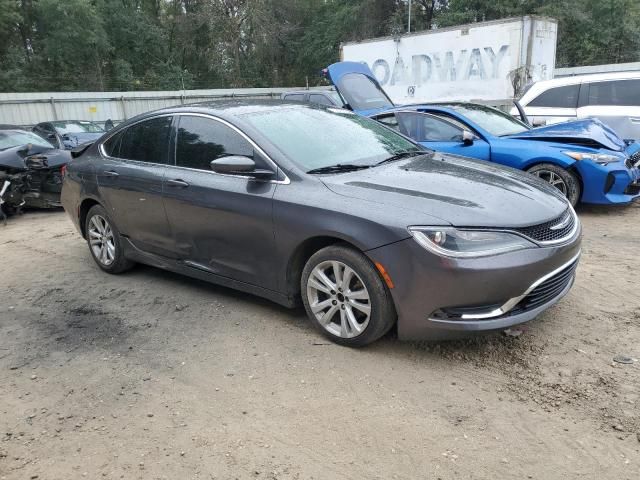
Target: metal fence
x=31, y=108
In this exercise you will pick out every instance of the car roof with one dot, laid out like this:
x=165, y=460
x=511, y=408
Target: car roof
x=231, y=107
x=320, y=91
x=588, y=78
x=442, y=106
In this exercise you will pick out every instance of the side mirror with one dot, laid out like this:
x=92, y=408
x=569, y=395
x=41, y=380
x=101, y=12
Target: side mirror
x=538, y=122
x=468, y=137
x=239, y=165
x=51, y=136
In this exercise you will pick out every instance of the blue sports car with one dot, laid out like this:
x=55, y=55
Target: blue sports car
x=584, y=159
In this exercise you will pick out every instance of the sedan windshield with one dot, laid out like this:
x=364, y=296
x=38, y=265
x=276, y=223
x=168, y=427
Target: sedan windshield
x=17, y=138
x=77, y=127
x=316, y=138
x=492, y=120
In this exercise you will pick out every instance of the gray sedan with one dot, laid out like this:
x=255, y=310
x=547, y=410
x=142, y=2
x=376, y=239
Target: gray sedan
x=294, y=202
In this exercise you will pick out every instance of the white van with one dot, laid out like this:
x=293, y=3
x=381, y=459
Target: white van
x=614, y=98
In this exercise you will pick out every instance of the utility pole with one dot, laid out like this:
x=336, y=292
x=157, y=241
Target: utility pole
x=409, y=23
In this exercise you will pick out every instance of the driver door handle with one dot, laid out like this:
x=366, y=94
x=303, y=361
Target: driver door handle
x=110, y=173
x=176, y=182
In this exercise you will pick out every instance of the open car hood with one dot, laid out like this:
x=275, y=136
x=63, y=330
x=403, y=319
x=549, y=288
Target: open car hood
x=358, y=86
x=589, y=132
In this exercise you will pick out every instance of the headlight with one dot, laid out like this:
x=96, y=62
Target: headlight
x=601, y=158
x=451, y=242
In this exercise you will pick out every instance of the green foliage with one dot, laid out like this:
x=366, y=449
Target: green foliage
x=175, y=44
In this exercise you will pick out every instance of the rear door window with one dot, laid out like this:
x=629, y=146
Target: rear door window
x=558, y=97
x=201, y=140
x=617, y=92
x=147, y=141
x=320, y=99
x=295, y=97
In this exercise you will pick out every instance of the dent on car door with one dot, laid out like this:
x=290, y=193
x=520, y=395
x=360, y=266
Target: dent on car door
x=130, y=179
x=220, y=223
x=442, y=135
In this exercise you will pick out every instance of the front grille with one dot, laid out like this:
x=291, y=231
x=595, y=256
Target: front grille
x=547, y=290
x=545, y=232
x=633, y=160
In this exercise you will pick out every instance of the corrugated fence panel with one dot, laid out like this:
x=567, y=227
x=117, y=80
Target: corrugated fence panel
x=31, y=108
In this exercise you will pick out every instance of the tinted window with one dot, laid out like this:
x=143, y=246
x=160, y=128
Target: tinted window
x=362, y=93
x=559, y=97
x=427, y=128
x=201, y=140
x=320, y=99
x=296, y=97
x=619, y=92
x=147, y=141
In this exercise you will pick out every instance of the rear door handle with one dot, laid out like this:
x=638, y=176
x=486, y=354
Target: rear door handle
x=176, y=182
x=110, y=173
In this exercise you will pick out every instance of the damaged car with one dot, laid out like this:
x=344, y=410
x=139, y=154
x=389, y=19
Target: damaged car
x=68, y=134
x=31, y=171
x=583, y=159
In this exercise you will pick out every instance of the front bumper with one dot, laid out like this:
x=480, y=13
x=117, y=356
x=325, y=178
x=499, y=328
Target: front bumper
x=615, y=183
x=426, y=284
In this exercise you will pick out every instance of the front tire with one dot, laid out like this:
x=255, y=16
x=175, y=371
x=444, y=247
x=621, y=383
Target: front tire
x=345, y=298
x=564, y=180
x=105, y=245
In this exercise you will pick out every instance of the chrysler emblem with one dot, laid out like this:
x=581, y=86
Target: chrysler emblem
x=563, y=223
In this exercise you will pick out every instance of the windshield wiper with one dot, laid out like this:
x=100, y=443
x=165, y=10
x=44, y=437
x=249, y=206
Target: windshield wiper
x=338, y=168
x=400, y=156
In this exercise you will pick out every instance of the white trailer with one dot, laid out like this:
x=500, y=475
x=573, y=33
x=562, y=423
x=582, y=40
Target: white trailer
x=488, y=62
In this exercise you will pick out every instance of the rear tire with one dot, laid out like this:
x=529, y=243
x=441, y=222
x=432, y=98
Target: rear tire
x=345, y=298
x=564, y=180
x=105, y=244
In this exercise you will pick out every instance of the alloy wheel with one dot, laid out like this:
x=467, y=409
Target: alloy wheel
x=552, y=178
x=339, y=299
x=101, y=240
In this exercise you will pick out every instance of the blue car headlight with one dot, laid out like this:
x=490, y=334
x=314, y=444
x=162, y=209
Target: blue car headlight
x=452, y=242
x=599, y=158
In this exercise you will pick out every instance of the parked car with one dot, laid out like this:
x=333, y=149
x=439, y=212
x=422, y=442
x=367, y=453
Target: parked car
x=68, y=134
x=584, y=159
x=291, y=201
x=31, y=171
x=329, y=98
x=613, y=98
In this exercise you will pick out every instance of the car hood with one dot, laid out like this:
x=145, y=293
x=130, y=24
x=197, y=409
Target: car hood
x=459, y=191
x=589, y=132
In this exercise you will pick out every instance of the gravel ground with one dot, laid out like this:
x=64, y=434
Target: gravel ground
x=151, y=375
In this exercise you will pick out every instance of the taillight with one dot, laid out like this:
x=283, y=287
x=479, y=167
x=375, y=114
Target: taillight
x=63, y=170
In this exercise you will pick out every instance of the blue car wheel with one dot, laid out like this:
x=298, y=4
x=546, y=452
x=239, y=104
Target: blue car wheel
x=564, y=180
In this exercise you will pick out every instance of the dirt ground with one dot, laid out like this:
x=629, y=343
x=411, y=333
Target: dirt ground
x=151, y=375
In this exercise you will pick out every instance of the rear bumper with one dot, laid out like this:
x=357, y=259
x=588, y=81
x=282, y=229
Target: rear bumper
x=425, y=285
x=610, y=184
